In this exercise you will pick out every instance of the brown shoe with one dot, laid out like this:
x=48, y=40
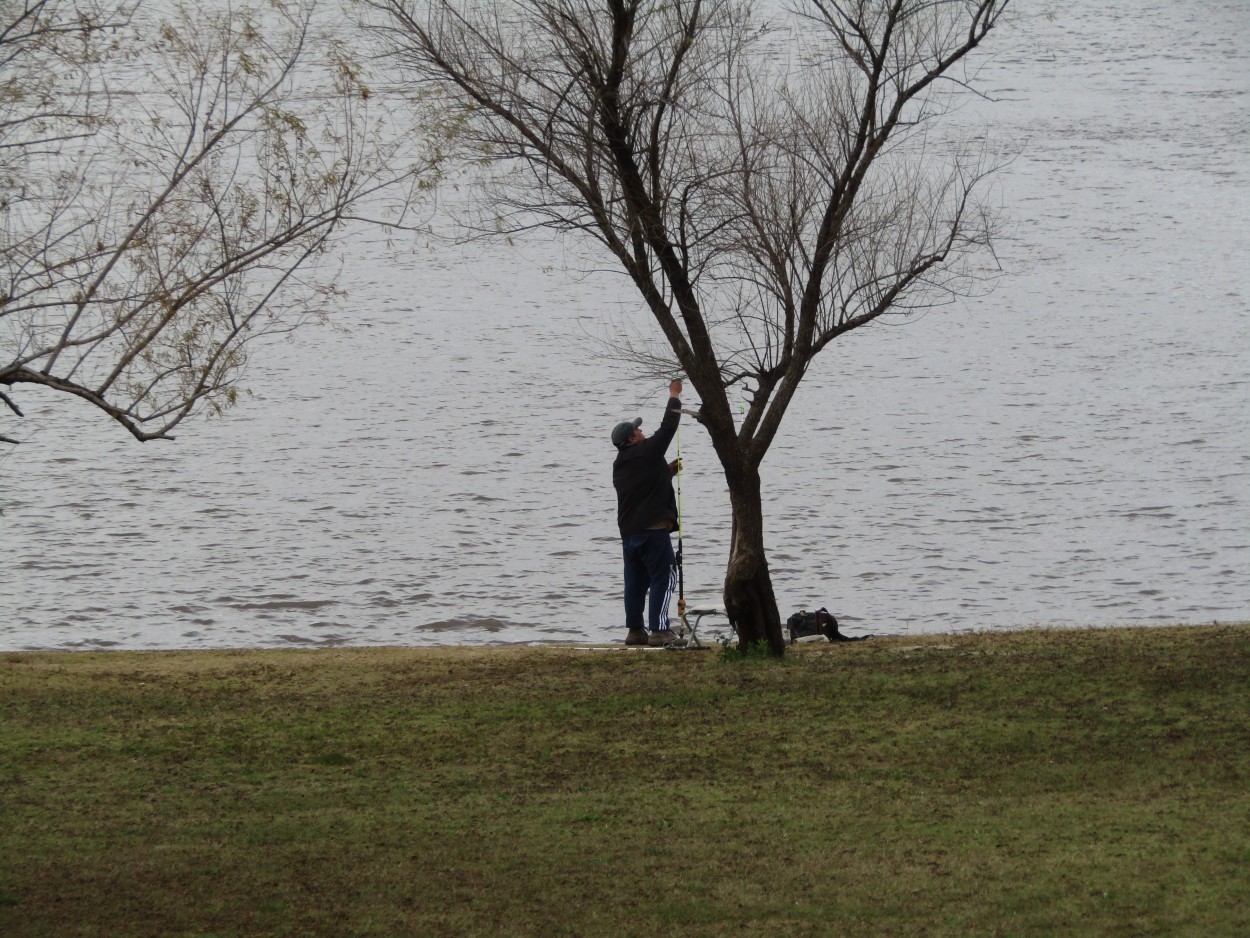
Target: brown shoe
x=636, y=637
x=662, y=638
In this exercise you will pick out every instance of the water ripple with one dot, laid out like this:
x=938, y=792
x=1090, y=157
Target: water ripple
x=1074, y=448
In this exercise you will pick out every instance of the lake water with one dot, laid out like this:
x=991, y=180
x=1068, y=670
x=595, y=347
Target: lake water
x=1073, y=449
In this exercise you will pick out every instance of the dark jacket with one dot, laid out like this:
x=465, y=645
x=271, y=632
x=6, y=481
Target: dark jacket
x=644, y=485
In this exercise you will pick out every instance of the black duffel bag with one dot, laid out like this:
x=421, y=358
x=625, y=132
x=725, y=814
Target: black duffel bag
x=809, y=625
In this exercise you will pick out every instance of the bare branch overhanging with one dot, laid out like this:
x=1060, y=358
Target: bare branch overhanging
x=185, y=207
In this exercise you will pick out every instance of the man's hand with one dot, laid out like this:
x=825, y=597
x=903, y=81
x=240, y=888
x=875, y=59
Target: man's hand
x=674, y=388
x=674, y=467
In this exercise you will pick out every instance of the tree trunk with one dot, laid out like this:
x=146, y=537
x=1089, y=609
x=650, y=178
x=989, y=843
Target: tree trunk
x=749, y=599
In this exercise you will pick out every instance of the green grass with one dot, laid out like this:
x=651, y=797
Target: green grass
x=1028, y=783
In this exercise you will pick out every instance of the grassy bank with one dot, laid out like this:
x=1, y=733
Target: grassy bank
x=1034, y=783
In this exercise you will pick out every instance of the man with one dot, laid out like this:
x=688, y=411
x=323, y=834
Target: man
x=646, y=511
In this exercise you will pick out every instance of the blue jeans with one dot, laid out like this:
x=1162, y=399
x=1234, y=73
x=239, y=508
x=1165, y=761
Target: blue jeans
x=650, y=571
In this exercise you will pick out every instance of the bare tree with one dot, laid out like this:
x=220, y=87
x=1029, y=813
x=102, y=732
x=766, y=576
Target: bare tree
x=768, y=182
x=170, y=182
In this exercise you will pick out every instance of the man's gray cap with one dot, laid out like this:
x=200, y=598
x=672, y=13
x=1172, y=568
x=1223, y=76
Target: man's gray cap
x=623, y=431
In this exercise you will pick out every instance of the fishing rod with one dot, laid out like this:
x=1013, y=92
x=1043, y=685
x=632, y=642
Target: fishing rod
x=681, y=574
x=690, y=633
